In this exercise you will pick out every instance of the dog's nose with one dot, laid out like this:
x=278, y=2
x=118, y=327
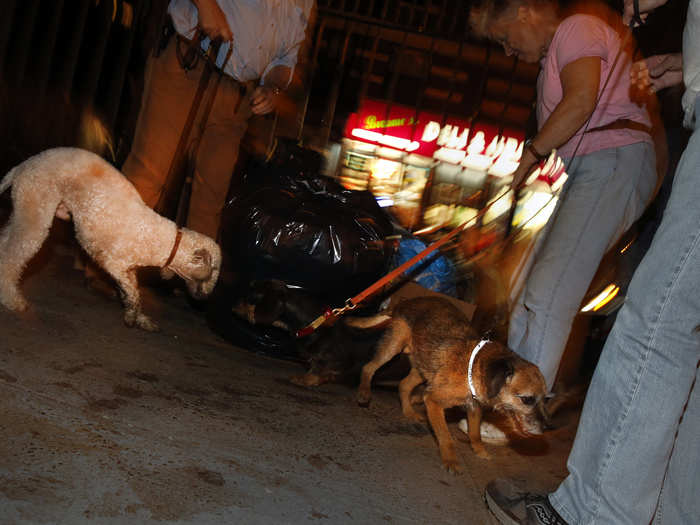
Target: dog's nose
x=548, y=425
x=198, y=293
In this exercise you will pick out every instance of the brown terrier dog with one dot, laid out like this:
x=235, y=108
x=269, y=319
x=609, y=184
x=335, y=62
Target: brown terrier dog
x=459, y=370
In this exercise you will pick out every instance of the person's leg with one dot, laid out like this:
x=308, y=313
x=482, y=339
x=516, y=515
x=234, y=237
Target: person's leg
x=679, y=502
x=167, y=97
x=216, y=157
x=606, y=193
x=641, y=384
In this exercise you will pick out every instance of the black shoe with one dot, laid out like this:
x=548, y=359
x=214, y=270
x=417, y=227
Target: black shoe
x=512, y=506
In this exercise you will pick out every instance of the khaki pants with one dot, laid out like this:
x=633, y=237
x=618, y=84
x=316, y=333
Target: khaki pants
x=167, y=98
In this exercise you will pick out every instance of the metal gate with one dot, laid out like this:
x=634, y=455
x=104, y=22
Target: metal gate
x=418, y=53
x=59, y=58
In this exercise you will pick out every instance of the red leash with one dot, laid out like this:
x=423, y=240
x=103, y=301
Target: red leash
x=352, y=303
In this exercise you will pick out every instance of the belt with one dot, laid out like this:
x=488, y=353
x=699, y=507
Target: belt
x=623, y=123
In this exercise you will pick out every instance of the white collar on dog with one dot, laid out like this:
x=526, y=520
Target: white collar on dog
x=476, y=350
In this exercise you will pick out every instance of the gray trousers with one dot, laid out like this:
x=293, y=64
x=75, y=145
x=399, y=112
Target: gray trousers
x=606, y=192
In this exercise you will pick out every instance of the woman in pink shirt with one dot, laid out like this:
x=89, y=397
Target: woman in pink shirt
x=585, y=112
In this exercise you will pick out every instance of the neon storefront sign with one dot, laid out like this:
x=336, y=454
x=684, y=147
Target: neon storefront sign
x=427, y=133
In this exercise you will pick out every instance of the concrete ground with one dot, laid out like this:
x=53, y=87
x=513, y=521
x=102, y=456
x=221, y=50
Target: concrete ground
x=100, y=423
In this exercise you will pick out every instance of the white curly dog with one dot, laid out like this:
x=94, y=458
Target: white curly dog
x=112, y=224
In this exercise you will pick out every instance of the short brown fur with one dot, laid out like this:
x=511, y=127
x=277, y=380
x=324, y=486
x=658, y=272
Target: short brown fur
x=439, y=341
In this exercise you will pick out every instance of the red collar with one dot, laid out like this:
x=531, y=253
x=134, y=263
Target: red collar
x=178, y=237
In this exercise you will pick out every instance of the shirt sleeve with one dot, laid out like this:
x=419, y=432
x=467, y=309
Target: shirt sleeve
x=582, y=36
x=288, y=53
x=185, y=17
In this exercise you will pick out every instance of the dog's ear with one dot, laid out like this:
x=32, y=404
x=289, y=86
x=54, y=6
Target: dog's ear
x=497, y=373
x=166, y=273
x=201, y=260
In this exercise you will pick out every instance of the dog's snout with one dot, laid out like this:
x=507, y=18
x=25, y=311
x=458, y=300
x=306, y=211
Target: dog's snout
x=199, y=290
x=537, y=428
x=533, y=426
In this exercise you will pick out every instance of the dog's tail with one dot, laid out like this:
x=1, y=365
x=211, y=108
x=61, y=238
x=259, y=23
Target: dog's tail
x=7, y=180
x=374, y=321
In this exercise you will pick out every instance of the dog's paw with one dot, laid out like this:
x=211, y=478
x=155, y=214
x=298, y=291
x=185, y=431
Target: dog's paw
x=15, y=303
x=363, y=398
x=415, y=417
x=140, y=321
x=452, y=466
x=480, y=452
x=145, y=323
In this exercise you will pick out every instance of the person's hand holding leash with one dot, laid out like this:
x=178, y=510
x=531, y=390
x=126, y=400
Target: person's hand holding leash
x=657, y=72
x=520, y=174
x=213, y=21
x=530, y=159
x=263, y=99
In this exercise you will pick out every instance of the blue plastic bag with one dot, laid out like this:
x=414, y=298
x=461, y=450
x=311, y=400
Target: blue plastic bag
x=436, y=272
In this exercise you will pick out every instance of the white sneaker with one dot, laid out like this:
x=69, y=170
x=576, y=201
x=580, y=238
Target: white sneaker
x=490, y=433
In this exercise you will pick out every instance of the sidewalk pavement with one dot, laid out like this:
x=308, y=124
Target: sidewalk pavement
x=100, y=423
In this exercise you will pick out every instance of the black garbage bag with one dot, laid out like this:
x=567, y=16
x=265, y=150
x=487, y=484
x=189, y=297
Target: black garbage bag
x=285, y=221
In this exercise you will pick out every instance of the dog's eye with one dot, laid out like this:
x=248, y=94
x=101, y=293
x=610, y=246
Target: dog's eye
x=527, y=400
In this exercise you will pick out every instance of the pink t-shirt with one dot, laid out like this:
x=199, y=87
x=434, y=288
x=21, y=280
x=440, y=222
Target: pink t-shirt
x=581, y=36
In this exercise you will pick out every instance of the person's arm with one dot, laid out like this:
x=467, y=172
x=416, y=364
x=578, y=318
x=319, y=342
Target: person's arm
x=265, y=97
x=580, y=80
x=212, y=20
x=278, y=74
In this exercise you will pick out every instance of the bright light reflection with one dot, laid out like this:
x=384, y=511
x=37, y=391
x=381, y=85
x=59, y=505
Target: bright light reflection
x=499, y=207
x=384, y=169
x=602, y=298
x=528, y=212
x=387, y=140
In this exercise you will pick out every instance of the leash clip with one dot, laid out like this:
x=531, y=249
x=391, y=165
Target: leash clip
x=349, y=305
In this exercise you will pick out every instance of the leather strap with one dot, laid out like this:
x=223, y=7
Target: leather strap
x=622, y=124
x=637, y=17
x=176, y=245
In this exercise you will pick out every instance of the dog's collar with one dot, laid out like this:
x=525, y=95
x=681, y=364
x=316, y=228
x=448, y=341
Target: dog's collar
x=176, y=245
x=472, y=358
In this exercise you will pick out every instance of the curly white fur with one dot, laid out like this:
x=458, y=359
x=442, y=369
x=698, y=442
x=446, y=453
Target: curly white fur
x=111, y=222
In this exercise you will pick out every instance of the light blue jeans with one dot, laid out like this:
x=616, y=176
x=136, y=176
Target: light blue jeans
x=606, y=192
x=634, y=459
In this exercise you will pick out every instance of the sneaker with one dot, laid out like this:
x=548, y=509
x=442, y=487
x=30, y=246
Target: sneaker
x=490, y=433
x=512, y=506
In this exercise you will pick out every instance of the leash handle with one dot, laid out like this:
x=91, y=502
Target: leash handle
x=313, y=325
